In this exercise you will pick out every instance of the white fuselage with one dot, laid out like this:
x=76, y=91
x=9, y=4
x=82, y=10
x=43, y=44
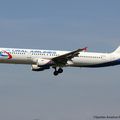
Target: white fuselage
x=31, y=56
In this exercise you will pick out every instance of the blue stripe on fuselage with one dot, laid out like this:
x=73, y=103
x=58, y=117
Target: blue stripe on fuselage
x=112, y=63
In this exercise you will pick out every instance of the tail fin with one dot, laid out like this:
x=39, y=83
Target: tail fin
x=117, y=50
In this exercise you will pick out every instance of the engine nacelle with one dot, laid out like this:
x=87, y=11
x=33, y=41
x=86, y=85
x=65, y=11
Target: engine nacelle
x=36, y=68
x=44, y=62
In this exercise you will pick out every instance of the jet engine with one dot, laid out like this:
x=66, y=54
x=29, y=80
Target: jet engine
x=36, y=68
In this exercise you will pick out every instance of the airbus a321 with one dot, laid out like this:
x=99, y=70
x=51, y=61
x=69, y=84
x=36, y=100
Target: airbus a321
x=45, y=59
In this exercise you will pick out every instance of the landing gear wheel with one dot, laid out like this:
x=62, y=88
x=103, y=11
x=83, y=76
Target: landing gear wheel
x=60, y=70
x=55, y=73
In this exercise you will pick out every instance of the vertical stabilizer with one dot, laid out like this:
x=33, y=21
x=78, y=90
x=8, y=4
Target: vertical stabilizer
x=117, y=50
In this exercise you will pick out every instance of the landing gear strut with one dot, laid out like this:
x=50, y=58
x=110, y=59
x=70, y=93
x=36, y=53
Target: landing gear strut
x=56, y=72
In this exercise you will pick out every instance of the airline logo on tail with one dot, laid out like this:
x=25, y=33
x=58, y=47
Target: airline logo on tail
x=5, y=54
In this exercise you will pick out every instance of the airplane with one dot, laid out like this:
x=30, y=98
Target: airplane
x=45, y=59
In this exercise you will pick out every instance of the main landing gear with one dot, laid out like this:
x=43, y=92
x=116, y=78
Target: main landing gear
x=56, y=72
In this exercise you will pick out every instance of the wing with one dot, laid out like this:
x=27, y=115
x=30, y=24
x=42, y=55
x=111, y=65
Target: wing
x=62, y=60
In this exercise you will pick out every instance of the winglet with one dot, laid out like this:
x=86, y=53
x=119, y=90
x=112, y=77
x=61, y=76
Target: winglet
x=85, y=49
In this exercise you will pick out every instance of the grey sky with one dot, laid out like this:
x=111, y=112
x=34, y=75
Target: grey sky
x=78, y=93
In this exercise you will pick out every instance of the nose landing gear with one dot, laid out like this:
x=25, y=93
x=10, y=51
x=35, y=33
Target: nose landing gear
x=56, y=72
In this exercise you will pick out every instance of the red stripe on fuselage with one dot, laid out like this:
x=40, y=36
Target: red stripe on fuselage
x=9, y=55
